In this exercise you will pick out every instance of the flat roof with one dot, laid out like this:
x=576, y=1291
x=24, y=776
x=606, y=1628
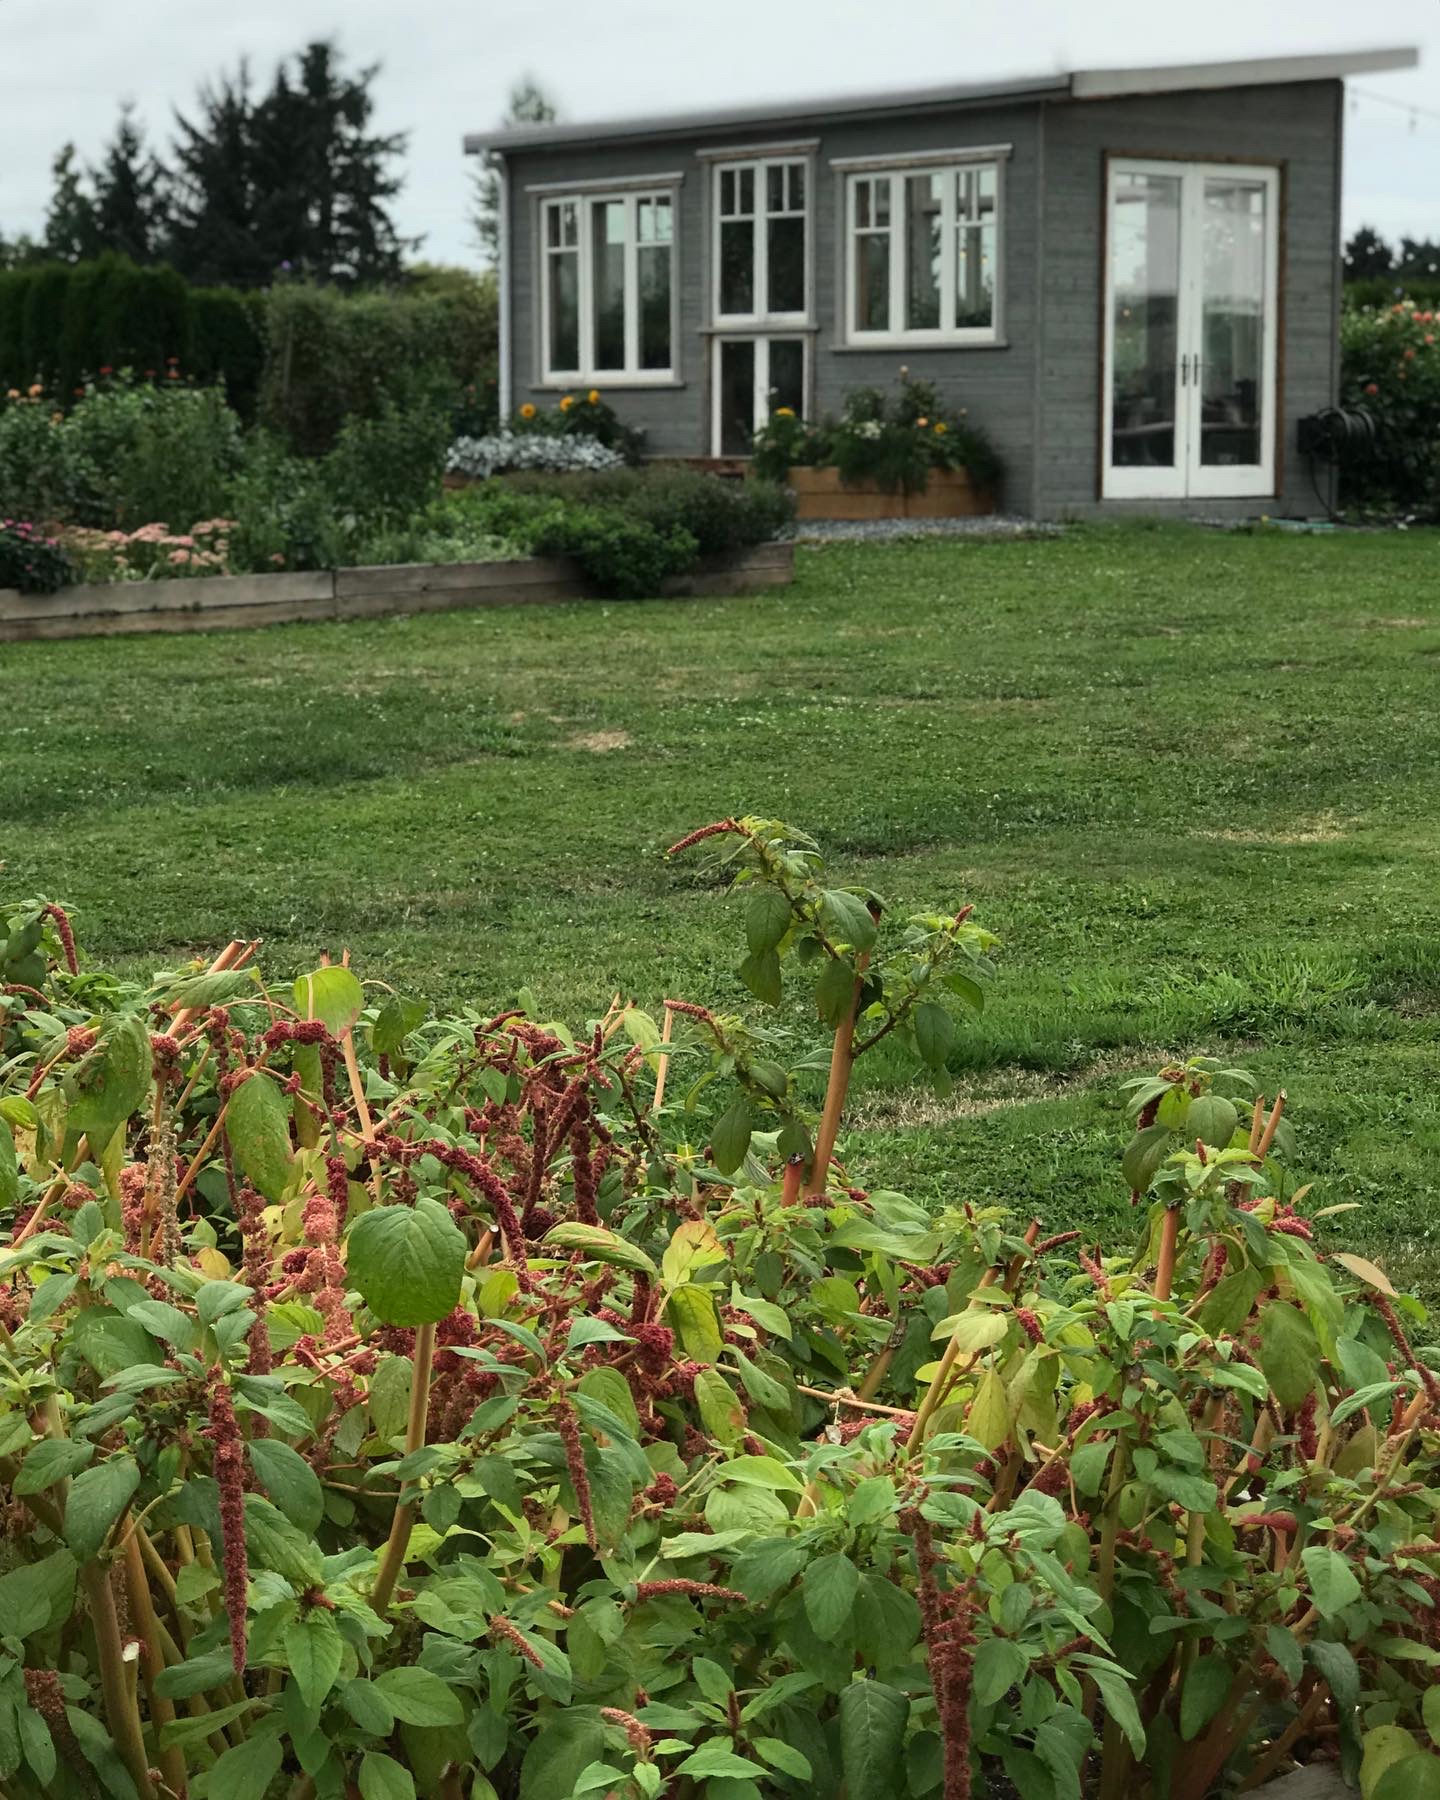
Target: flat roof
x=1078, y=84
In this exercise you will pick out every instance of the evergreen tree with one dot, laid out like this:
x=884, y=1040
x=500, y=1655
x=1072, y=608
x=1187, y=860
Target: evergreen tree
x=131, y=200
x=296, y=180
x=529, y=105
x=1419, y=256
x=1367, y=254
x=70, y=230
x=215, y=237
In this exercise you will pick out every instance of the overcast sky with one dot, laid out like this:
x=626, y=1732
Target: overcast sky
x=447, y=66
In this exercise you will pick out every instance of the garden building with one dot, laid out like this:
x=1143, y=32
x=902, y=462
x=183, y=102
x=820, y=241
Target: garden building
x=1130, y=278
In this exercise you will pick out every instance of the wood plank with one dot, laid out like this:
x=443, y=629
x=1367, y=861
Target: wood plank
x=88, y=598
x=422, y=578
x=125, y=624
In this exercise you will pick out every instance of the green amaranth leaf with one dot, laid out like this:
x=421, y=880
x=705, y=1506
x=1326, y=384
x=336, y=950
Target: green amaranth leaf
x=829, y=1587
x=599, y=1245
x=1332, y=1582
x=332, y=995
x=289, y=1481
x=97, y=1498
x=731, y=1137
x=257, y=1121
x=872, y=1737
x=106, y=1089
x=767, y=919
x=407, y=1262
x=1289, y=1353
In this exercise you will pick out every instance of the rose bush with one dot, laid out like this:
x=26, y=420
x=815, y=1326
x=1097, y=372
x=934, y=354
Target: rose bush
x=466, y=1406
x=1390, y=369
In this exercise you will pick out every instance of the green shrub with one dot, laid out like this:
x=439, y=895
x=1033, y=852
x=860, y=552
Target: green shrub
x=284, y=513
x=626, y=557
x=34, y=475
x=227, y=344
x=450, y=1415
x=61, y=323
x=721, y=515
x=1390, y=369
x=332, y=357
x=389, y=466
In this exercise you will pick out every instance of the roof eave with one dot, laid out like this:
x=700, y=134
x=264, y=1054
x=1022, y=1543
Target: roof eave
x=1082, y=84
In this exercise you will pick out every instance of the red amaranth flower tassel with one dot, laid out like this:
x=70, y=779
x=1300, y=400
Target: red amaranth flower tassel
x=694, y=1590
x=502, y=1629
x=569, y=1428
x=228, y=1464
x=1030, y=1324
x=1305, y=1432
x=706, y=831
x=1385, y=1307
x=65, y=932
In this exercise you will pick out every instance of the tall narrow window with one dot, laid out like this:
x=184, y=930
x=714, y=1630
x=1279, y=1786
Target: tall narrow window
x=924, y=252
x=562, y=280
x=871, y=197
x=654, y=221
x=761, y=239
x=608, y=287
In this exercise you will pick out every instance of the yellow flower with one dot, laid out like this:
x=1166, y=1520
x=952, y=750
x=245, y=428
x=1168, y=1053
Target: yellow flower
x=36, y=391
x=593, y=396
x=14, y=394
x=567, y=402
x=922, y=423
x=784, y=412
x=939, y=428
x=527, y=411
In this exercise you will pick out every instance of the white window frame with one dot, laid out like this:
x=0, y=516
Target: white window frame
x=898, y=171
x=585, y=197
x=761, y=164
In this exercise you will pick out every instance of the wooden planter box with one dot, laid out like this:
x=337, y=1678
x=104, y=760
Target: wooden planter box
x=950, y=494
x=221, y=602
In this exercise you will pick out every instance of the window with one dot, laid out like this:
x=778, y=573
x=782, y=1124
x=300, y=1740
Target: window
x=608, y=286
x=760, y=214
x=923, y=253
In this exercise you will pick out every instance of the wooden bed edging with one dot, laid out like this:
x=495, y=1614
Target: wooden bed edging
x=227, y=602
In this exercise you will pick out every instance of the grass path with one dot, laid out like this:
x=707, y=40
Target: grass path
x=1193, y=780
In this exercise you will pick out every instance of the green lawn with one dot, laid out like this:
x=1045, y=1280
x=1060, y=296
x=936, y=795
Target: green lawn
x=1192, y=779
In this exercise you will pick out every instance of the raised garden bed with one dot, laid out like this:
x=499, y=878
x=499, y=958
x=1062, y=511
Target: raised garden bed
x=229, y=601
x=949, y=494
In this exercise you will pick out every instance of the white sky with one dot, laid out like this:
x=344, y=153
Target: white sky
x=448, y=64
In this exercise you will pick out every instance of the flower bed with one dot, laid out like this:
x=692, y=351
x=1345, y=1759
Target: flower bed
x=886, y=457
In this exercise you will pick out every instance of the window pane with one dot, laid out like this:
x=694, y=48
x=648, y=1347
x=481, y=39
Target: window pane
x=607, y=228
x=1145, y=279
x=564, y=347
x=787, y=375
x=1232, y=360
x=786, y=269
x=737, y=397
x=775, y=187
x=872, y=282
x=737, y=266
x=795, y=173
x=653, y=265
x=975, y=276
x=872, y=202
x=563, y=230
x=924, y=236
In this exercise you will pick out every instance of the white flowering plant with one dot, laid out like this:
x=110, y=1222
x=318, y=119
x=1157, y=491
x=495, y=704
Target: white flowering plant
x=503, y=452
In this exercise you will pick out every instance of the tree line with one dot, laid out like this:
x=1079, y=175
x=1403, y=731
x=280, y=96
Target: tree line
x=257, y=184
x=1367, y=255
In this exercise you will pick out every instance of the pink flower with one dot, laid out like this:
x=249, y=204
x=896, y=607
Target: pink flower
x=277, y=558
x=179, y=556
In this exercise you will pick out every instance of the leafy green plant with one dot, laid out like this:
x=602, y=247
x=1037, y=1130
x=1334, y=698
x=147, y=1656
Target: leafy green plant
x=1390, y=369
x=400, y=1404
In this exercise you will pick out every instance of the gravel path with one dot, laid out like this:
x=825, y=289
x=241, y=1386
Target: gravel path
x=830, y=531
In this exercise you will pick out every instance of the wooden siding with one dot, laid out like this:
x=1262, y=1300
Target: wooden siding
x=1038, y=393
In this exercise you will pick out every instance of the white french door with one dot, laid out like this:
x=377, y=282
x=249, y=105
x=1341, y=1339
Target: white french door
x=1191, y=330
x=751, y=377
